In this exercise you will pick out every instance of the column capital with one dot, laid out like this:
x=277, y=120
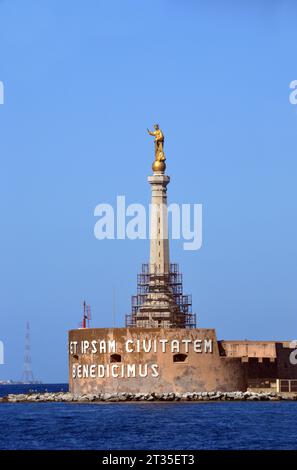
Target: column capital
x=159, y=179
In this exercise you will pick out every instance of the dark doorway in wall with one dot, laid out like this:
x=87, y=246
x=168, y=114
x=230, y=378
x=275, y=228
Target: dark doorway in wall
x=115, y=358
x=179, y=357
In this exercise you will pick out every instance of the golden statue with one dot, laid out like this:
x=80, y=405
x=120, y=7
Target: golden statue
x=159, y=163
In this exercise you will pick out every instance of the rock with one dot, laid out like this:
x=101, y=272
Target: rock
x=49, y=398
x=253, y=398
x=184, y=397
x=128, y=396
x=169, y=397
x=216, y=396
x=30, y=398
x=90, y=397
x=138, y=396
x=106, y=396
x=82, y=398
x=13, y=400
x=21, y=397
x=68, y=398
x=238, y=396
x=123, y=397
x=158, y=396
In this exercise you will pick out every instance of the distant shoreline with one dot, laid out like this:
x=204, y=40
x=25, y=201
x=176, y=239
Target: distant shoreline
x=22, y=383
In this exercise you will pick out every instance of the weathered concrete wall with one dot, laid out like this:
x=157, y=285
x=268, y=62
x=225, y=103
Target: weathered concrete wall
x=201, y=371
x=262, y=359
x=255, y=349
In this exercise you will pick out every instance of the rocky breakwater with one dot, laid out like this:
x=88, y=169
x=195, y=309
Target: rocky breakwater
x=62, y=397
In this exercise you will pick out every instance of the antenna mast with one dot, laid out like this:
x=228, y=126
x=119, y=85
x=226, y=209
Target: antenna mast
x=86, y=316
x=27, y=375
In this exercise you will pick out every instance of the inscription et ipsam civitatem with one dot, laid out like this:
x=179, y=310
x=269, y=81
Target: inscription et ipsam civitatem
x=127, y=370
x=141, y=345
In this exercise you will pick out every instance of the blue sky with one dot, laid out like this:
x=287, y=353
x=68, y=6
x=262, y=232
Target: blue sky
x=83, y=81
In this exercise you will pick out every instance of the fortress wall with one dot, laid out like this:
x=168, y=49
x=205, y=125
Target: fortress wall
x=200, y=371
x=286, y=366
x=263, y=359
x=254, y=349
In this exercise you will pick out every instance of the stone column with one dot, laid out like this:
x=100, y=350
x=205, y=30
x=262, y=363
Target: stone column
x=159, y=243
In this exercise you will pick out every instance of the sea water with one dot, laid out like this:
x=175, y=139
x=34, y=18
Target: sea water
x=128, y=425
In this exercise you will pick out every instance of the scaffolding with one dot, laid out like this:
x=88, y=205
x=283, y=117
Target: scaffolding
x=160, y=297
